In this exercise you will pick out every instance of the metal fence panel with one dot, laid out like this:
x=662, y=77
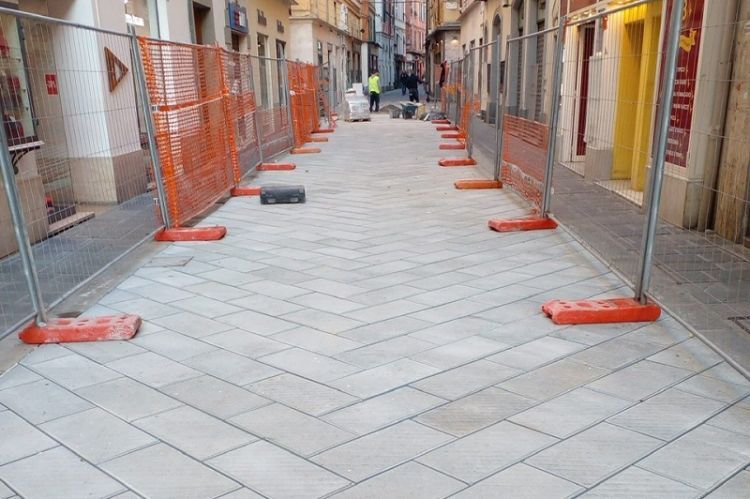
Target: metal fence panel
x=274, y=118
x=71, y=114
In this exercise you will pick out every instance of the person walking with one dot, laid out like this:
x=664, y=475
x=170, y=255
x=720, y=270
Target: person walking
x=373, y=86
x=403, y=78
x=413, y=85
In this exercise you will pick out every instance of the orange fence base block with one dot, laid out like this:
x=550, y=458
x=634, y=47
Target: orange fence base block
x=305, y=150
x=323, y=130
x=453, y=135
x=276, y=167
x=440, y=122
x=452, y=147
x=457, y=162
x=247, y=190
x=478, y=184
x=600, y=311
x=446, y=128
x=522, y=224
x=115, y=327
x=179, y=234
x=318, y=139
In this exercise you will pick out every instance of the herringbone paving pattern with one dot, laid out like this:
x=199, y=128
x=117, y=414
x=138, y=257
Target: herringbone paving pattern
x=377, y=341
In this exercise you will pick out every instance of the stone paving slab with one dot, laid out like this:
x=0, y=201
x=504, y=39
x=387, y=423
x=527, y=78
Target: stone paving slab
x=377, y=341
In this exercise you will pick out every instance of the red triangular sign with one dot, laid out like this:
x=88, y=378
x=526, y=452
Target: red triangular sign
x=116, y=69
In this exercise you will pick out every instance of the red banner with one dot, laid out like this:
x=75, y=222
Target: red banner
x=681, y=116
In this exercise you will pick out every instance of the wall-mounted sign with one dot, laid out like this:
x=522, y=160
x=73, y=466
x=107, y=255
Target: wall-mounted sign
x=237, y=18
x=51, y=82
x=116, y=69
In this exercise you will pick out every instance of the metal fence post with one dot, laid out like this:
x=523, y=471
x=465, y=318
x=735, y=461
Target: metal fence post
x=148, y=119
x=256, y=124
x=643, y=277
x=554, y=118
x=22, y=234
x=470, y=85
x=500, y=110
x=288, y=98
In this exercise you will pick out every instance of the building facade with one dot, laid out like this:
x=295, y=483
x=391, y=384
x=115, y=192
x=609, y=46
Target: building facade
x=416, y=25
x=384, y=38
x=399, y=43
x=443, y=38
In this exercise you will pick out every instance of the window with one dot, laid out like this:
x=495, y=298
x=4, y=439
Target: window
x=142, y=15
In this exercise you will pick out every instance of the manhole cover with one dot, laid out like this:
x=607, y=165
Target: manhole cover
x=742, y=322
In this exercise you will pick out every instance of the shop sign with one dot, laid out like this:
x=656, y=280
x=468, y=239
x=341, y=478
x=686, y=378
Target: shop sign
x=237, y=18
x=681, y=115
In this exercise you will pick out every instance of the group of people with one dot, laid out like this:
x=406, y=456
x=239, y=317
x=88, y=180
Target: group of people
x=409, y=82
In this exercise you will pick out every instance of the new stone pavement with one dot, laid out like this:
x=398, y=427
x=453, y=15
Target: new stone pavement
x=377, y=341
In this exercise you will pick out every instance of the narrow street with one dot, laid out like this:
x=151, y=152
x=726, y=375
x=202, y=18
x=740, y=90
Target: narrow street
x=378, y=341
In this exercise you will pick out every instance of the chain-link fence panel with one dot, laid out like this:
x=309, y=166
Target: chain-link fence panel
x=80, y=159
x=238, y=70
x=272, y=96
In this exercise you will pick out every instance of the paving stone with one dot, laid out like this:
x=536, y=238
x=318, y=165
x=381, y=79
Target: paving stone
x=231, y=367
x=383, y=378
x=298, y=432
x=616, y=353
x=145, y=308
x=410, y=480
x=75, y=371
x=323, y=321
x=570, y=413
x=316, y=341
x=455, y=330
x=160, y=471
x=242, y=494
x=466, y=379
x=128, y=399
x=380, y=331
x=42, y=401
x=474, y=412
x=217, y=291
x=266, y=305
x=307, y=396
x=702, y=458
x=106, y=351
x=692, y=354
x=192, y=325
x=277, y=473
x=246, y=343
x=594, y=454
x=523, y=482
x=385, y=294
x=20, y=439
x=44, y=353
x=735, y=418
x=5, y=492
x=174, y=278
x=375, y=413
x=386, y=311
x=194, y=432
x=487, y=451
x=17, y=375
x=96, y=435
x=229, y=277
x=257, y=323
x=552, y=380
x=593, y=334
x=310, y=365
x=279, y=290
x=173, y=345
x=635, y=482
x=320, y=301
x=733, y=488
x=65, y=475
x=385, y=352
x=640, y=380
x=332, y=287
x=215, y=396
x=381, y=450
x=153, y=370
x=451, y=311
x=535, y=353
x=668, y=414
x=161, y=293
x=715, y=388
x=459, y=352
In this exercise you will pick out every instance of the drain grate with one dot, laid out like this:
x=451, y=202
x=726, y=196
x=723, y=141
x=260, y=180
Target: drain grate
x=742, y=322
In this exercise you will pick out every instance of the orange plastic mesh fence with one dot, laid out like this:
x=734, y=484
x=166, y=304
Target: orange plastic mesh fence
x=303, y=86
x=272, y=95
x=190, y=107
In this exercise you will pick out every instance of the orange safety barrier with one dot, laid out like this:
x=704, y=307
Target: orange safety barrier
x=304, y=88
x=193, y=124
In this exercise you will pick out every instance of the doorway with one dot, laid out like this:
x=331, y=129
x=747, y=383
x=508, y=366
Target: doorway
x=202, y=27
x=585, y=51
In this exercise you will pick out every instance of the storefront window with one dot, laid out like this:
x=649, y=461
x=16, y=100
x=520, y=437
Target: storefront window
x=142, y=15
x=14, y=87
